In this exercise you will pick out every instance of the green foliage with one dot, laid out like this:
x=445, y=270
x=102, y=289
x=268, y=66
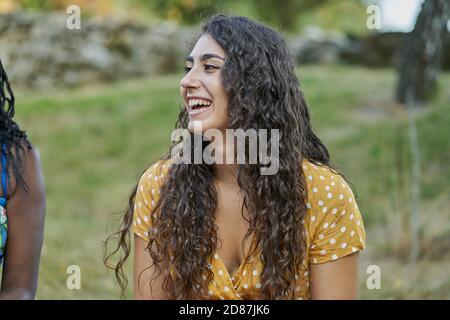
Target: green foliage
x=88, y=7
x=292, y=15
x=184, y=11
x=284, y=13
x=35, y=4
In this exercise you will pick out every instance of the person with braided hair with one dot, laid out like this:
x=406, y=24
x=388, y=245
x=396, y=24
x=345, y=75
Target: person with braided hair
x=22, y=203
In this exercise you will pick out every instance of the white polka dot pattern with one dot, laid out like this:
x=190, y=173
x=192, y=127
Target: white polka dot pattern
x=147, y=196
x=333, y=226
x=334, y=233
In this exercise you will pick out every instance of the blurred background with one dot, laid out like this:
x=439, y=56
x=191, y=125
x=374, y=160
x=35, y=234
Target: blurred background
x=99, y=98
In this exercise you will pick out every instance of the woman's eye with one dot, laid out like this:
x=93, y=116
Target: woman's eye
x=209, y=67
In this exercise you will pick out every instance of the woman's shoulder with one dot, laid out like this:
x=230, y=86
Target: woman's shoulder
x=158, y=170
x=30, y=166
x=27, y=151
x=334, y=221
x=155, y=174
x=326, y=186
x=320, y=178
x=147, y=195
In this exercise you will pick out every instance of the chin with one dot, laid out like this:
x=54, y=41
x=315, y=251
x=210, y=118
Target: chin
x=200, y=126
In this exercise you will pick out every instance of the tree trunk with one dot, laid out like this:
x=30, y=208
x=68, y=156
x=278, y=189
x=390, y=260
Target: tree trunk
x=421, y=53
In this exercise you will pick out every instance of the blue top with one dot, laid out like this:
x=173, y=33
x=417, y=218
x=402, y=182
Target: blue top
x=3, y=216
x=4, y=177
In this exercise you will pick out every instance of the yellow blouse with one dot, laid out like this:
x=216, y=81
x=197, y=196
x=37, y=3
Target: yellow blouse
x=334, y=229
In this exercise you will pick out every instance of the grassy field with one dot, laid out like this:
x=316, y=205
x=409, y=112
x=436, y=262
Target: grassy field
x=95, y=141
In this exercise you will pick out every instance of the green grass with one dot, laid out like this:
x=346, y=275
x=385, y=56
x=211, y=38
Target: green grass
x=95, y=141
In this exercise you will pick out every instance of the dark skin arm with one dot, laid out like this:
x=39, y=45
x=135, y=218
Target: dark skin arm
x=26, y=215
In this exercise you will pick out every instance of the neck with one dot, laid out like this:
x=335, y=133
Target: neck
x=224, y=172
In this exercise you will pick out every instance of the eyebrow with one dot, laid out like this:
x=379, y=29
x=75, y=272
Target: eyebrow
x=204, y=57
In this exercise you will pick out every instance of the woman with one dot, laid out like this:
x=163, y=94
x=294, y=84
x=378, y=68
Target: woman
x=225, y=231
x=22, y=203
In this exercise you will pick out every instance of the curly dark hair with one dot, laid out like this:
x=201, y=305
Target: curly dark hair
x=264, y=93
x=14, y=139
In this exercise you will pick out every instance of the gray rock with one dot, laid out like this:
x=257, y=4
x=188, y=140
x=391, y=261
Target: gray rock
x=40, y=52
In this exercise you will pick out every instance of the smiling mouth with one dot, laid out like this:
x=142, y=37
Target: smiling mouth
x=198, y=108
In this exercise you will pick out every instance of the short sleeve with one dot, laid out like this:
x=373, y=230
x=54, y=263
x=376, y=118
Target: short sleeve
x=338, y=225
x=147, y=195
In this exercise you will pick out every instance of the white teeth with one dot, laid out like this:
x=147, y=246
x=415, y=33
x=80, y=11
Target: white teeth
x=194, y=102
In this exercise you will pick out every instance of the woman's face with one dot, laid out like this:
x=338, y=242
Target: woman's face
x=201, y=88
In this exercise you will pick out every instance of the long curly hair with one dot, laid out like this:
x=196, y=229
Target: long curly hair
x=264, y=93
x=11, y=136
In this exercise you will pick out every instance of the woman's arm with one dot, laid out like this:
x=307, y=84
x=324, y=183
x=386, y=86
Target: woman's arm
x=143, y=267
x=26, y=214
x=335, y=280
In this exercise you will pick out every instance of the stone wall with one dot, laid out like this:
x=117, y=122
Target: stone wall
x=39, y=51
x=373, y=50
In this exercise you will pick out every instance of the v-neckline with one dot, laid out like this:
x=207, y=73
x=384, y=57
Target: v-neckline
x=229, y=275
x=239, y=270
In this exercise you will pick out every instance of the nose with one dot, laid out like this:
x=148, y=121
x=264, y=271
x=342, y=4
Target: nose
x=189, y=81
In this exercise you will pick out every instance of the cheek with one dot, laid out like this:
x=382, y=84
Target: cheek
x=222, y=99
x=224, y=114
x=221, y=109
x=221, y=116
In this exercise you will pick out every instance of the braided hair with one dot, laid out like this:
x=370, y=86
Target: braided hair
x=14, y=139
